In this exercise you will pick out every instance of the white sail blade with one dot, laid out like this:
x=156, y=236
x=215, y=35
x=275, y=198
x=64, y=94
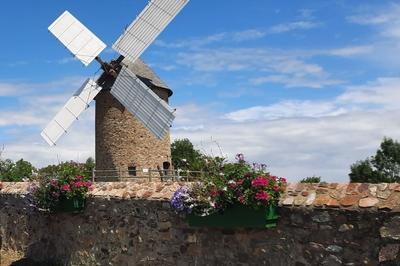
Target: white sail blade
x=70, y=112
x=82, y=43
x=143, y=103
x=147, y=26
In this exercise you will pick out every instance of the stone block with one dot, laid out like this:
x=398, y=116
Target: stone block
x=389, y=252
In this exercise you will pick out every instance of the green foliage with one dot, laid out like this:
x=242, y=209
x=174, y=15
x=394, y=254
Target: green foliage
x=185, y=156
x=383, y=167
x=311, y=179
x=232, y=170
x=213, y=166
x=71, y=168
x=15, y=172
x=89, y=165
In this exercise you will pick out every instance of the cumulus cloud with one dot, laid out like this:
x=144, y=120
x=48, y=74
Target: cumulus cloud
x=386, y=19
x=35, y=106
x=270, y=65
x=303, y=138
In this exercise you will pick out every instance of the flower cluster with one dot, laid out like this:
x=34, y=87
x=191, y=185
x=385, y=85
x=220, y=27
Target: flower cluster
x=240, y=184
x=49, y=191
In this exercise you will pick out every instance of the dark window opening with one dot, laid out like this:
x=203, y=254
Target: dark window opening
x=132, y=170
x=166, y=165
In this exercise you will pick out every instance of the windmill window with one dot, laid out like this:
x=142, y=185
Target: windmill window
x=132, y=170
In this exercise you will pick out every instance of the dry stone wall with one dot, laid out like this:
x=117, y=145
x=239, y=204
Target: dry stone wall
x=132, y=224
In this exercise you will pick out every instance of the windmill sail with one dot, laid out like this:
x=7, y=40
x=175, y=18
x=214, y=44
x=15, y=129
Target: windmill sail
x=147, y=26
x=82, y=43
x=143, y=103
x=70, y=112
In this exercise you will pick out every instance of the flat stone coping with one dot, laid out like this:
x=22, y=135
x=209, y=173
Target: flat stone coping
x=355, y=196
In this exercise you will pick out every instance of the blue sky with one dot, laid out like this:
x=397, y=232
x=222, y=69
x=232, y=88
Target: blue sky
x=307, y=87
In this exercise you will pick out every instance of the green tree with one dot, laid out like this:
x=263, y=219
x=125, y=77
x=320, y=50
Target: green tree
x=89, y=165
x=185, y=156
x=311, y=179
x=69, y=168
x=6, y=167
x=383, y=167
x=15, y=172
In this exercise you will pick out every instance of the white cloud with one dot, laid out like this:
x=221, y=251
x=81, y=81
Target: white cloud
x=384, y=92
x=251, y=34
x=303, y=138
x=9, y=89
x=297, y=25
x=300, y=147
x=286, y=109
x=384, y=22
x=351, y=50
x=241, y=35
x=270, y=65
x=36, y=105
x=296, y=81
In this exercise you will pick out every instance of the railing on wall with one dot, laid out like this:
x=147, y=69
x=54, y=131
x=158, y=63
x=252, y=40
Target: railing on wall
x=149, y=174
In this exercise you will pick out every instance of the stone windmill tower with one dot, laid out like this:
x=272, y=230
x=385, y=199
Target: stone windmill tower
x=132, y=112
x=122, y=141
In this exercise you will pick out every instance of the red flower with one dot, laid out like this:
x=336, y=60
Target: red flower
x=232, y=184
x=213, y=193
x=66, y=187
x=276, y=188
x=242, y=200
x=260, y=181
x=262, y=196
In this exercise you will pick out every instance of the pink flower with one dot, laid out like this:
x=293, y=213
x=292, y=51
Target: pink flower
x=66, y=187
x=78, y=184
x=262, y=196
x=260, y=181
x=276, y=188
x=79, y=177
x=282, y=179
x=87, y=184
x=273, y=178
x=240, y=182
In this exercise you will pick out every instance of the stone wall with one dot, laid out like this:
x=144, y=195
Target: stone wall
x=133, y=224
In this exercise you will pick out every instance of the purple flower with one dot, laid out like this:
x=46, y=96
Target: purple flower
x=178, y=200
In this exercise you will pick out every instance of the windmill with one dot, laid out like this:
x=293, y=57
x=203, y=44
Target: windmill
x=132, y=112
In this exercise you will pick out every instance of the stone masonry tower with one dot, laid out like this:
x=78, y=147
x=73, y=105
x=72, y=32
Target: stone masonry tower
x=122, y=142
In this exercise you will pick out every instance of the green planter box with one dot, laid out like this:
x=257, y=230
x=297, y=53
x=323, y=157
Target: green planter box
x=74, y=205
x=238, y=216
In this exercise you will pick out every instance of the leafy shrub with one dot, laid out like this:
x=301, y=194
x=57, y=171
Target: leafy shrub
x=311, y=179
